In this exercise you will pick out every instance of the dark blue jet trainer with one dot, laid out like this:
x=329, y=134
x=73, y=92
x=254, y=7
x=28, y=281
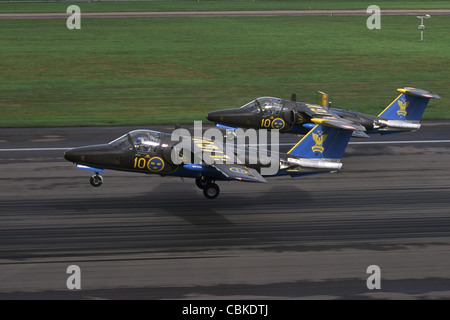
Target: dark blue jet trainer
x=290, y=116
x=152, y=152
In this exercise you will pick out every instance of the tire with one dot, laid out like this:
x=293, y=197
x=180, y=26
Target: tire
x=96, y=181
x=211, y=191
x=230, y=135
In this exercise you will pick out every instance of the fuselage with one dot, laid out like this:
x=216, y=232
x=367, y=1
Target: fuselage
x=288, y=116
x=152, y=152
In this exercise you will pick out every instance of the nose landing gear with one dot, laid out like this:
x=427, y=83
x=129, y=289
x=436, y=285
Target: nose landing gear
x=230, y=135
x=96, y=180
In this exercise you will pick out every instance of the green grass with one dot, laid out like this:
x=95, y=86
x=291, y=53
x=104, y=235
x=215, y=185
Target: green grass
x=184, y=5
x=161, y=71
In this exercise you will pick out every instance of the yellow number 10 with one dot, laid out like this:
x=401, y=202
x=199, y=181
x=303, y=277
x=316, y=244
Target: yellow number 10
x=265, y=123
x=140, y=164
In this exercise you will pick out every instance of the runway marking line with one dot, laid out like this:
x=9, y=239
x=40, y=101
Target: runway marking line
x=281, y=144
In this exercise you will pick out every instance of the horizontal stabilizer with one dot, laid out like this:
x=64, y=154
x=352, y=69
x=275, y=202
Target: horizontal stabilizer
x=238, y=172
x=419, y=93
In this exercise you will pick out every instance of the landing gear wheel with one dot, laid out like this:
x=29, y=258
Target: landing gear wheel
x=230, y=135
x=202, y=182
x=211, y=191
x=96, y=180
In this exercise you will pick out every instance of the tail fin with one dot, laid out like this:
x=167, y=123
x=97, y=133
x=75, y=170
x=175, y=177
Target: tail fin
x=322, y=142
x=409, y=105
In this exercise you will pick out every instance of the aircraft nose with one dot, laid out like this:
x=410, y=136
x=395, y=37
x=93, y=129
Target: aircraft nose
x=229, y=116
x=72, y=155
x=90, y=155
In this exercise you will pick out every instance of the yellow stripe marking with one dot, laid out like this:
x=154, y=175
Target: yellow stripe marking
x=390, y=104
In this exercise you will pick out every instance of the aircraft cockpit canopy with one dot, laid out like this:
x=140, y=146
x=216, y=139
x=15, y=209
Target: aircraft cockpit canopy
x=267, y=105
x=141, y=140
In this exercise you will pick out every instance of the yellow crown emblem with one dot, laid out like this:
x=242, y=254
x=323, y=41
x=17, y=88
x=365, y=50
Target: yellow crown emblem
x=403, y=104
x=319, y=139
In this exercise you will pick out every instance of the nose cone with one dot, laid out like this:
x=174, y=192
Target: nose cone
x=236, y=116
x=72, y=155
x=88, y=155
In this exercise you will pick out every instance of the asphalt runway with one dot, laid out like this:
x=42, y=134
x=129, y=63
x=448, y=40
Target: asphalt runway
x=149, y=237
x=224, y=13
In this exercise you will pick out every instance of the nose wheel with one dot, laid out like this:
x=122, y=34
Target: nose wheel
x=96, y=180
x=230, y=135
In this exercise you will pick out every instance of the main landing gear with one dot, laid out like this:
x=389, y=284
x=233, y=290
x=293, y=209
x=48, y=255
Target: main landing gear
x=210, y=189
x=96, y=180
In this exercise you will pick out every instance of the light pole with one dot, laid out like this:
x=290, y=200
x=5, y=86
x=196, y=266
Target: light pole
x=422, y=26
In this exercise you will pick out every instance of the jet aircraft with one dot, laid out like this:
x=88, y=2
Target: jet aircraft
x=291, y=116
x=151, y=152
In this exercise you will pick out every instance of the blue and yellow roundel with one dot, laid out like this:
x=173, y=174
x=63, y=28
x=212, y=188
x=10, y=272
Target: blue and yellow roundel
x=155, y=164
x=278, y=124
x=238, y=170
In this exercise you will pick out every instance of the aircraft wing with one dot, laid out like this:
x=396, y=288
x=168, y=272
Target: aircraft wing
x=360, y=134
x=338, y=123
x=327, y=117
x=238, y=172
x=234, y=171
